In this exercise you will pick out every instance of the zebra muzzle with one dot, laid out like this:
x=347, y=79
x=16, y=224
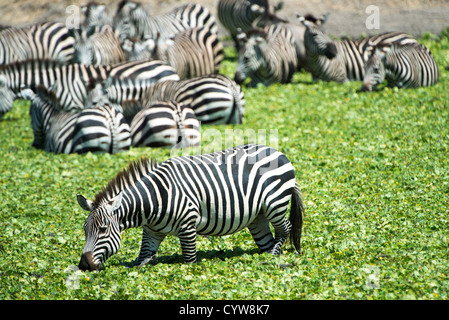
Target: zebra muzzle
x=87, y=263
x=366, y=86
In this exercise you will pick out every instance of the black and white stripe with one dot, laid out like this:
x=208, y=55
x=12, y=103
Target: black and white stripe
x=73, y=80
x=237, y=15
x=165, y=124
x=49, y=40
x=97, y=46
x=133, y=21
x=403, y=66
x=215, y=99
x=267, y=56
x=192, y=53
x=213, y=194
x=99, y=129
x=342, y=60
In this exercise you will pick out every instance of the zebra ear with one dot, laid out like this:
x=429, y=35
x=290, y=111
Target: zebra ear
x=302, y=20
x=84, y=203
x=116, y=202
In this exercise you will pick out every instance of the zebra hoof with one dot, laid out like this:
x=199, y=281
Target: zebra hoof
x=145, y=261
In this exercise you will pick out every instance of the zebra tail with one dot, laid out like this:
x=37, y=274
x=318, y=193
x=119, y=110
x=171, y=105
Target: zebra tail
x=296, y=217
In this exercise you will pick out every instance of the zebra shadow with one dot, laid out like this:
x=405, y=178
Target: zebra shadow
x=176, y=258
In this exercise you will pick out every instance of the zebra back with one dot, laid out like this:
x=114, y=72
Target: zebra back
x=49, y=40
x=165, y=124
x=151, y=70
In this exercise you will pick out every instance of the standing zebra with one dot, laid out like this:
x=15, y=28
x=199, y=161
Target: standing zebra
x=214, y=194
x=101, y=129
x=133, y=21
x=72, y=80
x=406, y=66
x=165, y=124
x=97, y=47
x=237, y=14
x=215, y=99
x=342, y=60
x=192, y=53
x=49, y=40
x=267, y=56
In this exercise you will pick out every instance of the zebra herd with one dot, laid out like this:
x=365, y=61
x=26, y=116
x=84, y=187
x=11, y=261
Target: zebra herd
x=141, y=80
x=118, y=63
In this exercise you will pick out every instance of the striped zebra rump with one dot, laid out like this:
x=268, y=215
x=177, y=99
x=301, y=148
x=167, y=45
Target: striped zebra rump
x=165, y=124
x=404, y=66
x=192, y=53
x=49, y=40
x=221, y=193
x=266, y=56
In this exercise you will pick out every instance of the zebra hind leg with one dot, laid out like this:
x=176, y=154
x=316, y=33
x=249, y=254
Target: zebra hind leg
x=260, y=230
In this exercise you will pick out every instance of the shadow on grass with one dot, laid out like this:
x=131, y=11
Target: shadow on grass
x=201, y=255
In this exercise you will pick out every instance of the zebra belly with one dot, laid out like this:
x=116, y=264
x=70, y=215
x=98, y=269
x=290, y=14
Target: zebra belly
x=220, y=223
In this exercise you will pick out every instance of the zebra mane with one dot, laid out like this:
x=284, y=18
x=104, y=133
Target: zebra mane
x=125, y=178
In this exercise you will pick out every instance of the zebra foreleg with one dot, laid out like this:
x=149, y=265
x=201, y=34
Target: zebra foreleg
x=150, y=244
x=187, y=237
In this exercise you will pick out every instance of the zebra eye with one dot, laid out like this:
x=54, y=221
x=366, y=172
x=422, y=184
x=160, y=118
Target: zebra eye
x=376, y=69
x=103, y=229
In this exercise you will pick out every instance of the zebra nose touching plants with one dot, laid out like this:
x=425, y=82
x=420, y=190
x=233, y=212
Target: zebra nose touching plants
x=213, y=194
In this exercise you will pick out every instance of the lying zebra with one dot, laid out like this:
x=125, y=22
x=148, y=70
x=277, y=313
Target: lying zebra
x=195, y=195
x=406, y=66
x=215, y=99
x=99, y=129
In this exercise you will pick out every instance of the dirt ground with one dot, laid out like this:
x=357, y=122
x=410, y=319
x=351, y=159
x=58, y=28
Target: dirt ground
x=347, y=18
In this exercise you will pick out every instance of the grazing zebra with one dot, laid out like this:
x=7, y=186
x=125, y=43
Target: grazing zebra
x=267, y=56
x=405, y=66
x=192, y=53
x=95, y=47
x=49, y=40
x=342, y=60
x=72, y=80
x=133, y=21
x=165, y=124
x=215, y=99
x=237, y=14
x=101, y=129
x=213, y=194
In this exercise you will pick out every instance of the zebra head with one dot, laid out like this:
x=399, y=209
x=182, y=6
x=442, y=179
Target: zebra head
x=374, y=68
x=8, y=96
x=316, y=41
x=102, y=231
x=250, y=56
x=123, y=22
